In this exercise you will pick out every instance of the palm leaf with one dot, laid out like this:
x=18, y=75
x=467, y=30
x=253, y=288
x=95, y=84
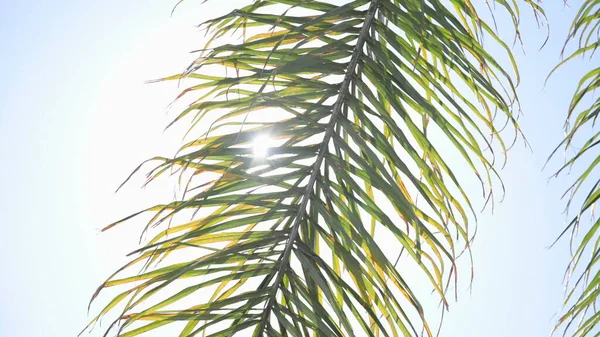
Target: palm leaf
x=583, y=276
x=370, y=107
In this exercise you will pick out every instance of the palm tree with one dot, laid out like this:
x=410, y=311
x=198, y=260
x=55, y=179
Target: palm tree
x=326, y=145
x=583, y=275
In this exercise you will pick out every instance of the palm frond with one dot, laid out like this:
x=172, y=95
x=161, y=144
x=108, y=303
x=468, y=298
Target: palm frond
x=583, y=276
x=368, y=108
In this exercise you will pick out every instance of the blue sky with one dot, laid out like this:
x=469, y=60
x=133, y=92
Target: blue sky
x=73, y=105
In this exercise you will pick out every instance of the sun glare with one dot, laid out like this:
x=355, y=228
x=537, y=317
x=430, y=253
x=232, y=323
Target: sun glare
x=261, y=146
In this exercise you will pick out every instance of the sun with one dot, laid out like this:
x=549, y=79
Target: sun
x=261, y=146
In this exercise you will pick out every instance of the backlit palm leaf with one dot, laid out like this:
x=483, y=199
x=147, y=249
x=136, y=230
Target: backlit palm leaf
x=581, y=317
x=368, y=108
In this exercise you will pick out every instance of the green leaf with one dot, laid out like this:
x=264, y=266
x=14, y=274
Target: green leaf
x=371, y=107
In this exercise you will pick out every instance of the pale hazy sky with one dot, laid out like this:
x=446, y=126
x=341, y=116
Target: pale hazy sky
x=75, y=118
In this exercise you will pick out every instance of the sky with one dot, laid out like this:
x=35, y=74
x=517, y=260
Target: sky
x=76, y=117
